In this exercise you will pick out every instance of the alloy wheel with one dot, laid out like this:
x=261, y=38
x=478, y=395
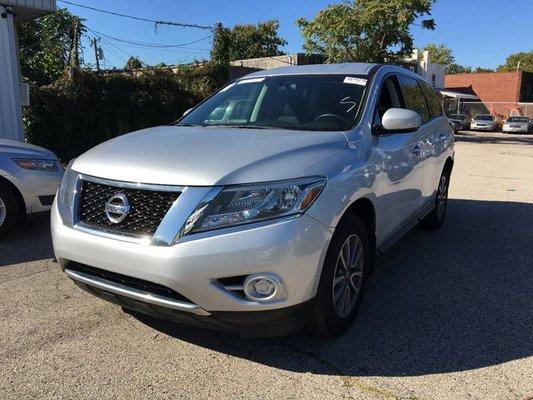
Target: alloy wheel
x=442, y=196
x=348, y=276
x=3, y=211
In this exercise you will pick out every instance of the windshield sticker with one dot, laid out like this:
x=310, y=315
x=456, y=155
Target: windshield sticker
x=355, y=81
x=252, y=80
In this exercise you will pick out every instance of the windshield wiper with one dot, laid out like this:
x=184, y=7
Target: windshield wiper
x=186, y=124
x=239, y=126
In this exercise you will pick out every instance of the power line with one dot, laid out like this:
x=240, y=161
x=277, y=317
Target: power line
x=111, y=51
x=156, y=22
x=116, y=47
x=147, y=44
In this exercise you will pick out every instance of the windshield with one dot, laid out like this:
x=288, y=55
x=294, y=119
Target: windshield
x=303, y=102
x=484, y=118
x=458, y=116
x=518, y=119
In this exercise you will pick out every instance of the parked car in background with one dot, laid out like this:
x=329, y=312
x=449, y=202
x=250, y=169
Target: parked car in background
x=518, y=125
x=460, y=120
x=484, y=122
x=262, y=208
x=29, y=179
x=457, y=126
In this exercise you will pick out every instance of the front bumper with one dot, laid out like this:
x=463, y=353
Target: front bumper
x=269, y=323
x=475, y=127
x=521, y=129
x=292, y=248
x=38, y=188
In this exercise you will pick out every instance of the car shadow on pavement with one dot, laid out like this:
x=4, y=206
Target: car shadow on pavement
x=452, y=300
x=30, y=241
x=495, y=138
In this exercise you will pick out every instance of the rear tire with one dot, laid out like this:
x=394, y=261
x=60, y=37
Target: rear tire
x=9, y=210
x=340, y=290
x=435, y=218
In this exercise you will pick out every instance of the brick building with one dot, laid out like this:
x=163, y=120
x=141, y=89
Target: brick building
x=502, y=93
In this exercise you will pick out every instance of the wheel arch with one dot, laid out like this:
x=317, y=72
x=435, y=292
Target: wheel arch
x=365, y=209
x=16, y=192
x=448, y=166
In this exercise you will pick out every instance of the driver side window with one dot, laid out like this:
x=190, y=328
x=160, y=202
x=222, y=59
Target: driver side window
x=389, y=97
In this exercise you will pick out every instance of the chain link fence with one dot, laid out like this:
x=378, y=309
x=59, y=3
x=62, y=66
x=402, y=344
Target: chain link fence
x=500, y=109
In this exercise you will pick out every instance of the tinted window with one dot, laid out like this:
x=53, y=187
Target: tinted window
x=304, y=102
x=388, y=97
x=484, y=117
x=458, y=116
x=433, y=100
x=517, y=119
x=414, y=97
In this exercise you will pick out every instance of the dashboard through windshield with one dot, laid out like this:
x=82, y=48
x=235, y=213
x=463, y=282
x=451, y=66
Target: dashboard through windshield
x=302, y=102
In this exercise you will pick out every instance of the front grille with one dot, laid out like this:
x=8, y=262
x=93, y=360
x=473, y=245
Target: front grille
x=139, y=284
x=148, y=207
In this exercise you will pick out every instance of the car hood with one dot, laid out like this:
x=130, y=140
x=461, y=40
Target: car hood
x=22, y=149
x=196, y=156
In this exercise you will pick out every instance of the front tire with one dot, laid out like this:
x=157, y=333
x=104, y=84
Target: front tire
x=9, y=210
x=342, y=281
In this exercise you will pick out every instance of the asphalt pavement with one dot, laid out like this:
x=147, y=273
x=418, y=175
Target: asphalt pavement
x=447, y=315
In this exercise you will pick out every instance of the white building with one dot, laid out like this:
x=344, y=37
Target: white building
x=433, y=73
x=10, y=87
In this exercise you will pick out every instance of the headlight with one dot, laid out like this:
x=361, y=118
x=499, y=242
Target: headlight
x=37, y=164
x=236, y=205
x=66, y=195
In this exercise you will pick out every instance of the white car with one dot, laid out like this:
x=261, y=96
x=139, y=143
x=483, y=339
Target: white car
x=518, y=125
x=483, y=122
x=263, y=207
x=29, y=179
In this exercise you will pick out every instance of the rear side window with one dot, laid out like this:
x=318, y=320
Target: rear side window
x=414, y=97
x=435, y=107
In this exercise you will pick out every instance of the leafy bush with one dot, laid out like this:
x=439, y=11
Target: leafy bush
x=78, y=112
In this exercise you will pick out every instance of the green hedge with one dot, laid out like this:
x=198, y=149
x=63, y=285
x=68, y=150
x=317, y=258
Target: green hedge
x=78, y=112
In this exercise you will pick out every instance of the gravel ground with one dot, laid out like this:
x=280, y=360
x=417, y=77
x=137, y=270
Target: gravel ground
x=447, y=315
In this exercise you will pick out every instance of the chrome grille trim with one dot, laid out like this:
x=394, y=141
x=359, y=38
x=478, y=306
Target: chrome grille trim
x=146, y=208
x=168, y=231
x=133, y=293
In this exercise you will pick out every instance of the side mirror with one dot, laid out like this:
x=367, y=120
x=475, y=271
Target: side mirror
x=187, y=112
x=398, y=120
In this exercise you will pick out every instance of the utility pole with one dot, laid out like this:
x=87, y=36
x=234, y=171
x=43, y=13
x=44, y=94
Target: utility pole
x=74, y=56
x=94, y=43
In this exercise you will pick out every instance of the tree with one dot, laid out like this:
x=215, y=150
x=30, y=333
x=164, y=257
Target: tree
x=524, y=58
x=440, y=54
x=45, y=46
x=365, y=30
x=252, y=41
x=458, y=69
x=483, y=69
x=132, y=63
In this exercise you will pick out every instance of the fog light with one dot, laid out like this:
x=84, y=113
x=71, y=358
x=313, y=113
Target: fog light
x=263, y=288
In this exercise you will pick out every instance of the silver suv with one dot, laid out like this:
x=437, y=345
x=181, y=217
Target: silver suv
x=29, y=178
x=263, y=208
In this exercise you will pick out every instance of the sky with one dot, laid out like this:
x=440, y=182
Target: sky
x=480, y=32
